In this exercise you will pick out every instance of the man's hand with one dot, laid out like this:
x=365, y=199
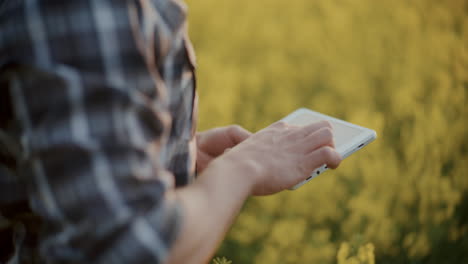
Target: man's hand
x=283, y=155
x=271, y=160
x=214, y=142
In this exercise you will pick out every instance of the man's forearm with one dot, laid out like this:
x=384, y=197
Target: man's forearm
x=210, y=206
x=273, y=159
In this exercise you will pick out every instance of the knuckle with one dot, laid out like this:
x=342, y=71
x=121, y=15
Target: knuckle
x=327, y=123
x=235, y=128
x=328, y=133
x=282, y=124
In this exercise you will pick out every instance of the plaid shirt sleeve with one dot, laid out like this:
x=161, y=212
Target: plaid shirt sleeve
x=91, y=83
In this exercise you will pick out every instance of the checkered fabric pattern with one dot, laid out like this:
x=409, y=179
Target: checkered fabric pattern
x=97, y=122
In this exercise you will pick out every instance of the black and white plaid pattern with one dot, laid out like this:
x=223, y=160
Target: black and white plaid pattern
x=96, y=125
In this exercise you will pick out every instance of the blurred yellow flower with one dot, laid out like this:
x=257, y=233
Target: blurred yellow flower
x=400, y=67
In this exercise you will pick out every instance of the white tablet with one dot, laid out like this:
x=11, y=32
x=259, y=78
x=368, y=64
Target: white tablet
x=348, y=137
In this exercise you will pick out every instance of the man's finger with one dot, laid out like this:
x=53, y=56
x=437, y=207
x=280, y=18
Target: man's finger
x=279, y=124
x=324, y=155
x=309, y=129
x=237, y=134
x=320, y=138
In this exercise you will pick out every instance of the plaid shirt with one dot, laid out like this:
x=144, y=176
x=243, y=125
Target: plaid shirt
x=96, y=125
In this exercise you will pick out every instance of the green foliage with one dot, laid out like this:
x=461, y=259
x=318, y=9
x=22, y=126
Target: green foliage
x=362, y=255
x=221, y=261
x=399, y=67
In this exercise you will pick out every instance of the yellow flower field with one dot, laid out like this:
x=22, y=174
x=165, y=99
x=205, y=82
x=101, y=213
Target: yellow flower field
x=399, y=67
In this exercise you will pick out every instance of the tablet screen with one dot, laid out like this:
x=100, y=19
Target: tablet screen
x=342, y=133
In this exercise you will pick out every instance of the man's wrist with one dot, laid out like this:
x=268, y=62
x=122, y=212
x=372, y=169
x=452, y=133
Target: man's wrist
x=246, y=171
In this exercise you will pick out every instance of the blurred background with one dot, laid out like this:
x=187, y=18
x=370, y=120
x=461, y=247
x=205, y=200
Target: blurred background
x=399, y=67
